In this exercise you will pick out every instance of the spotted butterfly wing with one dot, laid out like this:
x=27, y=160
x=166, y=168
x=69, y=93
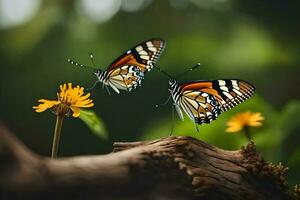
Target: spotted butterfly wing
x=126, y=77
x=127, y=71
x=143, y=55
x=203, y=101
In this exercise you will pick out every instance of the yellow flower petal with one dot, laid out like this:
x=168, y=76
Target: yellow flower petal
x=63, y=87
x=45, y=104
x=244, y=119
x=76, y=111
x=83, y=103
x=234, y=127
x=256, y=119
x=84, y=97
x=69, y=98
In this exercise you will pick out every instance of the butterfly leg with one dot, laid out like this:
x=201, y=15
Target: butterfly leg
x=95, y=84
x=107, y=89
x=172, y=124
x=164, y=103
x=196, y=125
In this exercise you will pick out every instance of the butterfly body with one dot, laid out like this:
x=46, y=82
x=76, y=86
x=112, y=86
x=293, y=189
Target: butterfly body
x=204, y=101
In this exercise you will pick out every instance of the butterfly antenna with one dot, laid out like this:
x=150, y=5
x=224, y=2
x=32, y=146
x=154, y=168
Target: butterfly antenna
x=78, y=64
x=162, y=71
x=189, y=70
x=92, y=60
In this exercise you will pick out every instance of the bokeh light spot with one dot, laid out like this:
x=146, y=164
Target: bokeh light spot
x=17, y=12
x=132, y=5
x=99, y=11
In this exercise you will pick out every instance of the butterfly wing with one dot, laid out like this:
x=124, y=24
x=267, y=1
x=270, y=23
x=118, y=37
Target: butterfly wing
x=127, y=77
x=203, y=101
x=127, y=71
x=143, y=55
x=201, y=107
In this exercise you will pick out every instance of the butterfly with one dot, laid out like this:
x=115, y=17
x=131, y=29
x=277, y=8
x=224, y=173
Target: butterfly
x=204, y=101
x=127, y=71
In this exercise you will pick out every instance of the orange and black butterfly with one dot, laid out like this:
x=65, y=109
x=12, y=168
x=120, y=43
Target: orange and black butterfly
x=204, y=101
x=127, y=71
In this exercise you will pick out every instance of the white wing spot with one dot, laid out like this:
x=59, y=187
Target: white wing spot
x=204, y=95
x=236, y=87
x=227, y=95
x=234, y=83
x=221, y=82
x=145, y=57
x=237, y=91
x=139, y=48
x=142, y=52
x=149, y=44
x=152, y=49
x=224, y=88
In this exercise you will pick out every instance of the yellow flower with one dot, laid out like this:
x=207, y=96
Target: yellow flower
x=243, y=120
x=69, y=100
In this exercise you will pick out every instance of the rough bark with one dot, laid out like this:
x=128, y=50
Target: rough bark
x=168, y=168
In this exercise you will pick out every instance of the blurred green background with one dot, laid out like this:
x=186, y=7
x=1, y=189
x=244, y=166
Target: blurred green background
x=257, y=41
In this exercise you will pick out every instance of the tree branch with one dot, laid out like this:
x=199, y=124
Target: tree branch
x=168, y=168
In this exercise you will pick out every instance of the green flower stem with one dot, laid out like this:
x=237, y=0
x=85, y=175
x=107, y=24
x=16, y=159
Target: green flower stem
x=247, y=133
x=57, y=131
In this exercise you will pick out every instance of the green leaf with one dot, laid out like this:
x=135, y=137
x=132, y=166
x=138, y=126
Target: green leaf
x=95, y=124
